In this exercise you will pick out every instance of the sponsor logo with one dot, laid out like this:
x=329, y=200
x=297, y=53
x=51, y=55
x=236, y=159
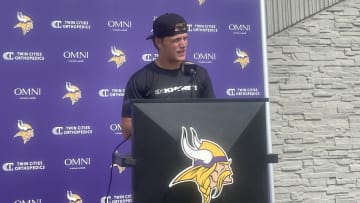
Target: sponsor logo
x=77, y=163
x=202, y=28
x=176, y=89
x=120, y=25
x=73, y=198
x=26, y=132
x=121, y=169
x=73, y=93
x=37, y=200
x=239, y=29
x=149, y=57
x=204, y=57
x=72, y=130
x=25, y=23
x=242, y=58
x=118, y=57
x=23, y=56
x=115, y=128
x=233, y=92
x=111, y=92
x=23, y=166
x=117, y=198
x=27, y=93
x=76, y=56
x=71, y=24
x=201, y=2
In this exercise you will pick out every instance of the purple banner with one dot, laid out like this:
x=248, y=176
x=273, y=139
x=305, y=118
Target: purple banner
x=63, y=70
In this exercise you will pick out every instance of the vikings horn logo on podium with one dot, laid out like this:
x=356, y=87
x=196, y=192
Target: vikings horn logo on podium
x=210, y=169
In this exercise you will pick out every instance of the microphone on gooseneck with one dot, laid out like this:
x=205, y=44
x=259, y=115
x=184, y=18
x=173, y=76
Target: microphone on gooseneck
x=189, y=68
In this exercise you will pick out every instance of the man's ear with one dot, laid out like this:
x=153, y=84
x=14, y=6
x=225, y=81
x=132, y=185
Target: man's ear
x=158, y=42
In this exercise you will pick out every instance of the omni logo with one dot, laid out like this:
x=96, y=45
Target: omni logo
x=76, y=56
x=239, y=28
x=77, y=163
x=27, y=93
x=29, y=201
x=204, y=57
x=120, y=25
x=115, y=128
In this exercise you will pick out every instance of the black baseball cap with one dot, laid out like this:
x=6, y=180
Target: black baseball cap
x=167, y=25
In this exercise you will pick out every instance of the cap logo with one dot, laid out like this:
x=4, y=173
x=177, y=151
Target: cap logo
x=180, y=27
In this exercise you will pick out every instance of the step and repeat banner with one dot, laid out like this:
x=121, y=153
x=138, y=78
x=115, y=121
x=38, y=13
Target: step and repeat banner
x=63, y=69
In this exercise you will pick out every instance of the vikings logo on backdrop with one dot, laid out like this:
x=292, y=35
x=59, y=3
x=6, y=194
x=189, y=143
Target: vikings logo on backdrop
x=201, y=2
x=25, y=23
x=121, y=169
x=210, y=169
x=26, y=132
x=118, y=56
x=243, y=58
x=73, y=93
x=73, y=198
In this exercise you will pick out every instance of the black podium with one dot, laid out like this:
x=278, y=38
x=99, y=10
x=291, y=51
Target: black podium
x=236, y=126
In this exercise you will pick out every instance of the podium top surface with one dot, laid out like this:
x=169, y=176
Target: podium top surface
x=198, y=100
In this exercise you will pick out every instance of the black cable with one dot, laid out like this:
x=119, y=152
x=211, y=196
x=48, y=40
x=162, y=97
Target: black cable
x=112, y=166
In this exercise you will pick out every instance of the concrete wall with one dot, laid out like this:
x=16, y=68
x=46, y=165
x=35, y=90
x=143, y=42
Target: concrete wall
x=314, y=76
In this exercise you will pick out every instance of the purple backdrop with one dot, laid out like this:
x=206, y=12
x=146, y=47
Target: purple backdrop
x=63, y=70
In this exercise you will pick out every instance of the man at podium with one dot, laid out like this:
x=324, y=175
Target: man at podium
x=170, y=75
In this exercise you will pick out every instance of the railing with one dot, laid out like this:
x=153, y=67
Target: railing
x=281, y=14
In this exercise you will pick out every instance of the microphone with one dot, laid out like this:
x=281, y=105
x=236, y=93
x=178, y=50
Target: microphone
x=189, y=68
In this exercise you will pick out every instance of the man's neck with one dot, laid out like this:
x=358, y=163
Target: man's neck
x=165, y=64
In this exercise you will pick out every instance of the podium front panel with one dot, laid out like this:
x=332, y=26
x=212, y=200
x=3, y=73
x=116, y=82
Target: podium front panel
x=238, y=127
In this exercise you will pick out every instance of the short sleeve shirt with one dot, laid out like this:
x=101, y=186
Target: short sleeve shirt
x=153, y=82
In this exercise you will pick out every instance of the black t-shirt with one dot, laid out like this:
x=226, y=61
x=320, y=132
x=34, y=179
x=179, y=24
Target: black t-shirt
x=153, y=82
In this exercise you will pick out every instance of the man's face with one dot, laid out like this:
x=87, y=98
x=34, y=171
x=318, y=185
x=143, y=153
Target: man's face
x=173, y=48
